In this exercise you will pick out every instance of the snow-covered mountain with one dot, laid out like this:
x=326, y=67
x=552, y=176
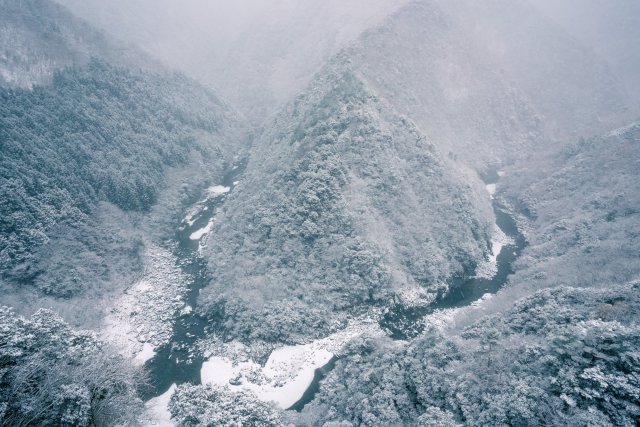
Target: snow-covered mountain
x=407, y=228
x=98, y=154
x=38, y=37
x=611, y=29
x=583, y=205
x=345, y=205
x=256, y=54
x=488, y=81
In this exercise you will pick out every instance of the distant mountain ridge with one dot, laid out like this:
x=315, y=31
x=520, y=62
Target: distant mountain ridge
x=38, y=37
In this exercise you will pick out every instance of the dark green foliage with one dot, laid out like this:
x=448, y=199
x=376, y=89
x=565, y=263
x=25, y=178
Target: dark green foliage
x=51, y=375
x=98, y=133
x=560, y=357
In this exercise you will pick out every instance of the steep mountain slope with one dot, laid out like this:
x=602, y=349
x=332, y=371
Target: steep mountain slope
x=570, y=87
x=256, y=54
x=345, y=204
x=428, y=68
x=99, y=162
x=564, y=354
x=38, y=37
x=584, y=205
x=487, y=81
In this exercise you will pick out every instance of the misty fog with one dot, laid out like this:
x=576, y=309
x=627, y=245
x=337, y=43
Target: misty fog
x=319, y=213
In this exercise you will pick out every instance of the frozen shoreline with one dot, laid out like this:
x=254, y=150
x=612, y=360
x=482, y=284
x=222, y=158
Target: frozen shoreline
x=289, y=371
x=488, y=268
x=157, y=411
x=142, y=318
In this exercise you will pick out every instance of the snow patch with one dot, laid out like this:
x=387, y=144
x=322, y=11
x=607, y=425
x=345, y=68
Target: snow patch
x=412, y=296
x=145, y=354
x=198, y=234
x=289, y=370
x=211, y=193
x=621, y=131
x=443, y=319
x=491, y=189
x=488, y=268
x=157, y=410
x=142, y=318
x=217, y=190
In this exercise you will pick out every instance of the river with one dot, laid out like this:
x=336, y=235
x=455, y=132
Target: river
x=403, y=323
x=178, y=362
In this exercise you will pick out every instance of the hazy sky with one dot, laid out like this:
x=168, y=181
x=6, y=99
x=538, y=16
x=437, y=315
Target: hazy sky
x=260, y=53
x=255, y=53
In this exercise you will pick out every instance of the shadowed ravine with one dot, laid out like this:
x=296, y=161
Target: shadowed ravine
x=178, y=362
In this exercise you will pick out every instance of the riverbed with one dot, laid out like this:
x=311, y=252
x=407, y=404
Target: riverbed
x=178, y=361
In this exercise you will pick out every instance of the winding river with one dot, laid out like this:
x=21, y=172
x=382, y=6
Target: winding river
x=178, y=361
x=404, y=323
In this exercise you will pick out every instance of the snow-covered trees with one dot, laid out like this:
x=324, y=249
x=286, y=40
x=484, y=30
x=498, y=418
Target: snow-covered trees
x=584, y=207
x=96, y=134
x=209, y=406
x=53, y=375
x=343, y=202
x=561, y=357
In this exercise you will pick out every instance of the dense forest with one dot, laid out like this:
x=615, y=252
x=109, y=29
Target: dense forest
x=564, y=356
x=428, y=217
x=54, y=375
x=96, y=134
x=357, y=208
x=583, y=209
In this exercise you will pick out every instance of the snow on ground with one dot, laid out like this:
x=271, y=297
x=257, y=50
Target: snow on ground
x=217, y=190
x=157, y=411
x=141, y=319
x=145, y=354
x=488, y=268
x=192, y=215
x=211, y=193
x=491, y=189
x=416, y=295
x=289, y=370
x=621, y=131
x=442, y=319
x=197, y=235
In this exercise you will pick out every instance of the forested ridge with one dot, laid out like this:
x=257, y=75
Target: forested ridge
x=583, y=203
x=40, y=37
x=565, y=356
x=344, y=205
x=455, y=167
x=96, y=134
